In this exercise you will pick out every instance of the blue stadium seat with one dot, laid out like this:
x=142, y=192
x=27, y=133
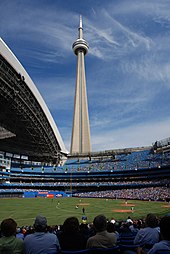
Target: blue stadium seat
x=74, y=251
x=131, y=237
x=113, y=250
x=132, y=247
x=163, y=252
x=52, y=252
x=125, y=242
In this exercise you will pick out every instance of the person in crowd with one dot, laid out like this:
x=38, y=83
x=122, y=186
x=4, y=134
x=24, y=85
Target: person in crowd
x=41, y=242
x=28, y=230
x=125, y=230
x=102, y=238
x=19, y=233
x=111, y=229
x=134, y=227
x=70, y=237
x=9, y=244
x=164, y=244
x=86, y=230
x=150, y=234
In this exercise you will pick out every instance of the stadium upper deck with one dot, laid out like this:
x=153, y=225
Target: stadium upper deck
x=137, y=169
x=26, y=125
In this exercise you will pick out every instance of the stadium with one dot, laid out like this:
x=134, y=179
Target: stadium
x=37, y=172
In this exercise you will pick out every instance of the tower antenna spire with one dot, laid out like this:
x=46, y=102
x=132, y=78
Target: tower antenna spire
x=81, y=28
x=81, y=22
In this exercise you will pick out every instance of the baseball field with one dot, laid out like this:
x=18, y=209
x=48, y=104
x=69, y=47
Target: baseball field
x=56, y=210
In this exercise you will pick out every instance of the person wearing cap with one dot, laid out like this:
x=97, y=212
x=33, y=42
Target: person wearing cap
x=41, y=242
x=111, y=229
x=9, y=244
x=84, y=219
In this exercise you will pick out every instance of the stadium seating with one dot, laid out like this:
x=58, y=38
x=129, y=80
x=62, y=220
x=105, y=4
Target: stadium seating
x=126, y=241
x=75, y=252
x=163, y=252
x=137, y=175
x=130, y=247
x=114, y=250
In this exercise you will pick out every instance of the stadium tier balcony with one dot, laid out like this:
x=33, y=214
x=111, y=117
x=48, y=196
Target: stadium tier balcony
x=126, y=171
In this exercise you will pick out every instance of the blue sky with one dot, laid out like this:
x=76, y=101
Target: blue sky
x=127, y=66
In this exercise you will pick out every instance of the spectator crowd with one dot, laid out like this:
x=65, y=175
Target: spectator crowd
x=147, y=236
x=150, y=193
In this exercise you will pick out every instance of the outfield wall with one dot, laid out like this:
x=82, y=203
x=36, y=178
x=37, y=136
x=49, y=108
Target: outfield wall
x=33, y=194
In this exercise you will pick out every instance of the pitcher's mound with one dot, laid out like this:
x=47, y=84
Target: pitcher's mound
x=122, y=211
x=127, y=205
x=83, y=204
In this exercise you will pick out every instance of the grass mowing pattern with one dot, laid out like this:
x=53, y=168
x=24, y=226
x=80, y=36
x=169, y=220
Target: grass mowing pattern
x=24, y=210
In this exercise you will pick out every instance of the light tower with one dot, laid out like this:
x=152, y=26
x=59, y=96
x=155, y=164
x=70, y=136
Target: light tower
x=80, y=142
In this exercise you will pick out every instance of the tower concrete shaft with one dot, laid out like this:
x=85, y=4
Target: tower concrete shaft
x=80, y=142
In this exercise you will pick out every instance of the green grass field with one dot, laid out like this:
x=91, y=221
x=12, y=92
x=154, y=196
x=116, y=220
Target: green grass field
x=24, y=210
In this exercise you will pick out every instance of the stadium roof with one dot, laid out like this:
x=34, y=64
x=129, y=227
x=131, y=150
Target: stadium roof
x=26, y=125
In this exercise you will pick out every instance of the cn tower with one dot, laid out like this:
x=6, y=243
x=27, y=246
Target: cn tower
x=80, y=142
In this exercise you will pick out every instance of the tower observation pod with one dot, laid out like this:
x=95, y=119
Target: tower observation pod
x=80, y=141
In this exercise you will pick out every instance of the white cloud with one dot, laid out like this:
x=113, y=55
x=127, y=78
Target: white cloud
x=134, y=38
x=149, y=69
x=133, y=136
